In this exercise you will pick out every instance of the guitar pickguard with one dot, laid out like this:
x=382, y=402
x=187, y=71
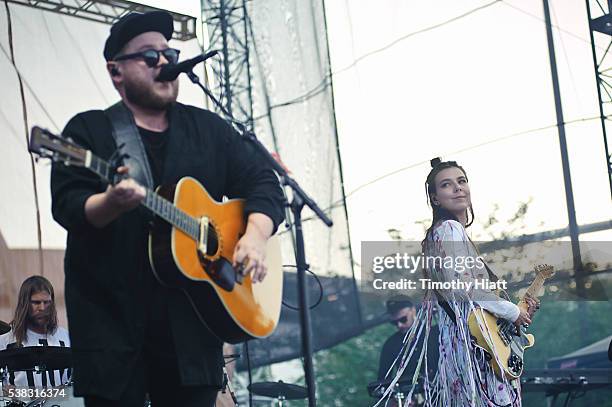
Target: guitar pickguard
x=220, y=271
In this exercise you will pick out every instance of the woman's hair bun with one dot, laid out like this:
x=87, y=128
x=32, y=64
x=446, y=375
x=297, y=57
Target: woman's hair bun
x=435, y=161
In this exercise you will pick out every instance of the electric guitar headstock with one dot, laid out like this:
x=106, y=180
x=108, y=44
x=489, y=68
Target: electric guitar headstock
x=544, y=271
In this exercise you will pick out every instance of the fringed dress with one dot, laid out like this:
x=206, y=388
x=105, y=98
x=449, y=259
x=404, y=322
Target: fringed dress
x=464, y=377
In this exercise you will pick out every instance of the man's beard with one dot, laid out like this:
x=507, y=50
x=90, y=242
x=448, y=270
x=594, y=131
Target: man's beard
x=42, y=321
x=142, y=94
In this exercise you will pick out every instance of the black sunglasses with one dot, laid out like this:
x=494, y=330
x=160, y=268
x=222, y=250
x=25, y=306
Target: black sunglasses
x=151, y=56
x=401, y=320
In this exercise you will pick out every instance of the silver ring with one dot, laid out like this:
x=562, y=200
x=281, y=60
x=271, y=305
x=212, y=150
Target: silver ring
x=525, y=325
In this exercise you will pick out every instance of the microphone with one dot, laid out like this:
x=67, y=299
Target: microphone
x=169, y=72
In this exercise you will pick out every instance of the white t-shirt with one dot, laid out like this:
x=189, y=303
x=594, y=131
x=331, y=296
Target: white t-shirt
x=52, y=378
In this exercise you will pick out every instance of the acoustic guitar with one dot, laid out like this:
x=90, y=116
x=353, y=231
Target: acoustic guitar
x=191, y=245
x=500, y=338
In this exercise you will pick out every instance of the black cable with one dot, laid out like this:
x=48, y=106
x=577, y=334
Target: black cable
x=316, y=304
x=219, y=73
x=231, y=359
x=24, y=111
x=248, y=360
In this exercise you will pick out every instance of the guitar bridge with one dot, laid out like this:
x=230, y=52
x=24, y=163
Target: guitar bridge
x=515, y=364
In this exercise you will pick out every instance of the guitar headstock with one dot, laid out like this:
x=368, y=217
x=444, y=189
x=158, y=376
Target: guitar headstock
x=45, y=144
x=544, y=270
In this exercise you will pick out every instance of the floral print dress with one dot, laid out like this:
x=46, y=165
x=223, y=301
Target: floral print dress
x=464, y=377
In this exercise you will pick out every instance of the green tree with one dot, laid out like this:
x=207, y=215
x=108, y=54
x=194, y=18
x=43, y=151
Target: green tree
x=344, y=371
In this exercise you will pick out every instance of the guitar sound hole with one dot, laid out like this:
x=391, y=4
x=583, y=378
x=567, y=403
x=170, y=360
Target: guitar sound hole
x=213, y=242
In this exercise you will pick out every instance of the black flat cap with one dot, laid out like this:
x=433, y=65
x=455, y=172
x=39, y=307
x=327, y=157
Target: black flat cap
x=133, y=24
x=398, y=302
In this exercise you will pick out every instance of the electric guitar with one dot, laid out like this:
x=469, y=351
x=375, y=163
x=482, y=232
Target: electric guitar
x=190, y=246
x=500, y=338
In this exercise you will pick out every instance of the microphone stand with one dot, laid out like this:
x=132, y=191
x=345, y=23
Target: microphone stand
x=299, y=199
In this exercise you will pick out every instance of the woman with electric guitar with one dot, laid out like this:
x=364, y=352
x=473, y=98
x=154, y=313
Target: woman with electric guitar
x=482, y=335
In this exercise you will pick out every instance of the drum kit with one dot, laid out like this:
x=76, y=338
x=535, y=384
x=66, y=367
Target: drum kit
x=280, y=391
x=36, y=359
x=39, y=359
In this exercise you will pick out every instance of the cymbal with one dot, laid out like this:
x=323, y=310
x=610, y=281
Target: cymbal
x=279, y=389
x=29, y=357
x=4, y=327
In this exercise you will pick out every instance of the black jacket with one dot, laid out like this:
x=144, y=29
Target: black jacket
x=392, y=347
x=114, y=305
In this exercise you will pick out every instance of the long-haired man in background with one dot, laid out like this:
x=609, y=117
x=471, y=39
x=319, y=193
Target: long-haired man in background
x=35, y=324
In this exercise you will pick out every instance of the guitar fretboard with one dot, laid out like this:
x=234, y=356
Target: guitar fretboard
x=155, y=203
x=536, y=286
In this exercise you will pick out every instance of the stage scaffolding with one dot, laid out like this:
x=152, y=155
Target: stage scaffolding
x=227, y=24
x=600, y=28
x=109, y=11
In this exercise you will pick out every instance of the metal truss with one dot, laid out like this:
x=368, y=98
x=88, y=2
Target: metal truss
x=229, y=32
x=600, y=26
x=109, y=11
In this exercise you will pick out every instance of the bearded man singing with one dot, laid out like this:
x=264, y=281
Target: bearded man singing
x=132, y=336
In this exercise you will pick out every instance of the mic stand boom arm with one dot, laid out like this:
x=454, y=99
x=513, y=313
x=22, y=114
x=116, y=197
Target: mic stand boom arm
x=299, y=199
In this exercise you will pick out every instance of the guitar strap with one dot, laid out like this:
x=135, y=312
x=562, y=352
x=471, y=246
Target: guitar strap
x=126, y=133
x=446, y=307
x=444, y=304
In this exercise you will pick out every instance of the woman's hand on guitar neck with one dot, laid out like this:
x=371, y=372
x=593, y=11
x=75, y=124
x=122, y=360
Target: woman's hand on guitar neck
x=532, y=304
